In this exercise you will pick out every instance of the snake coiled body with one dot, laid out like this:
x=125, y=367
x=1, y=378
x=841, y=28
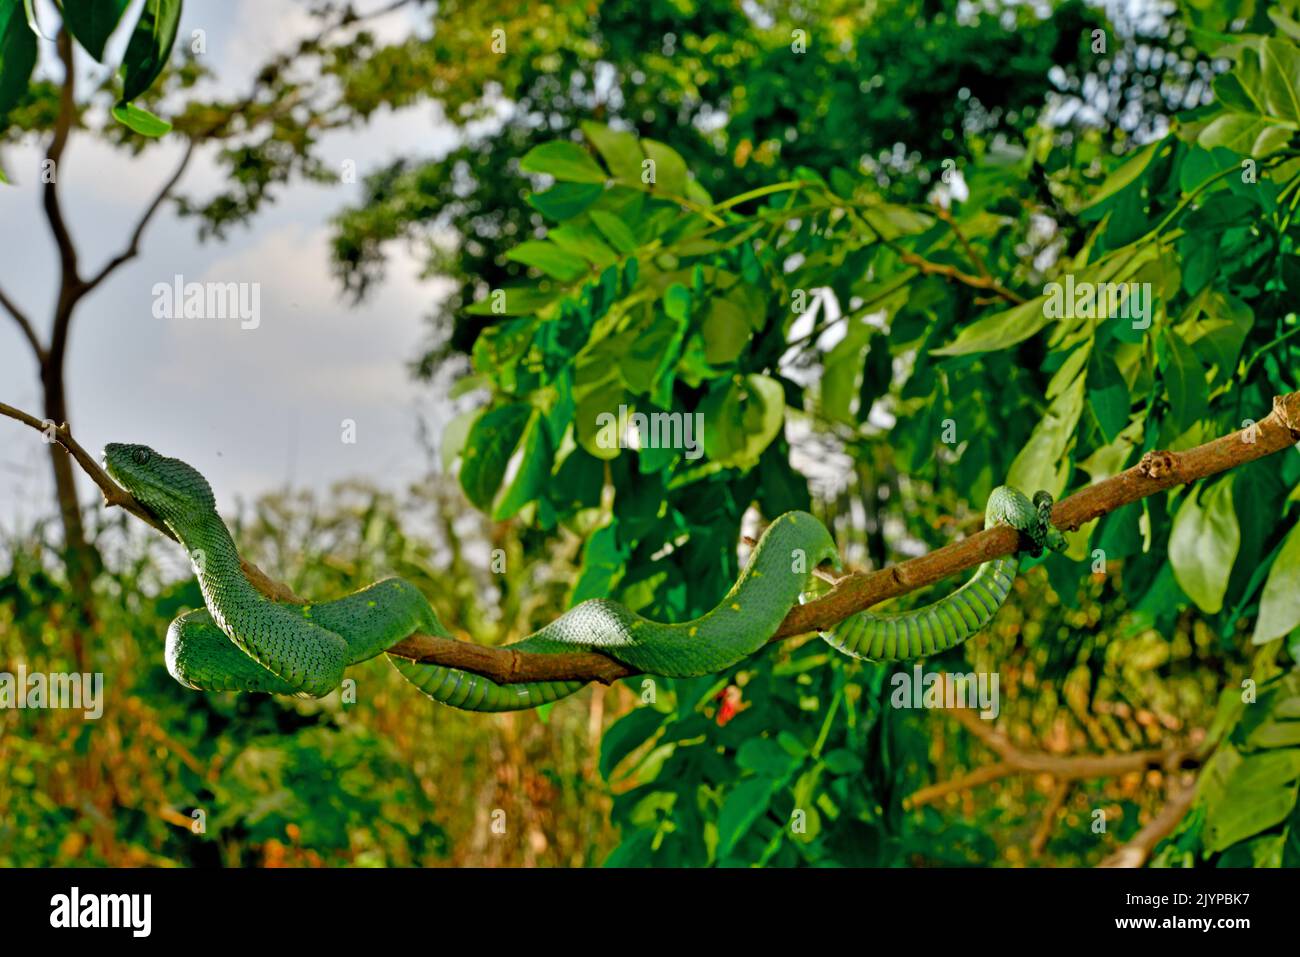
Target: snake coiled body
x=951, y=620
x=243, y=641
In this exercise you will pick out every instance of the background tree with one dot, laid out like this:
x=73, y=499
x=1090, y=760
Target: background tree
x=745, y=93
x=262, y=138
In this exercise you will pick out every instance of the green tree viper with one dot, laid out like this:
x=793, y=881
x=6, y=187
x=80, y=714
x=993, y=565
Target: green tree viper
x=243, y=641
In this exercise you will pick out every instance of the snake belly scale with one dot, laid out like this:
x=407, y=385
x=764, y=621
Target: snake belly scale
x=242, y=641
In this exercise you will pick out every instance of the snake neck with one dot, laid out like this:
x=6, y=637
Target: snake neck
x=226, y=590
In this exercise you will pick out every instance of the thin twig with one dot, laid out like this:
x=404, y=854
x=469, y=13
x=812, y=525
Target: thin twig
x=1138, y=849
x=54, y=155
x=971, y=254
x=1060, y=791
x=25, y=324
x=133, y=246
x=1064, y=767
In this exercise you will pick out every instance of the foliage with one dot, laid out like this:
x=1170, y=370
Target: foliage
x=724, y=83
x=651, y=295
x=91, y=23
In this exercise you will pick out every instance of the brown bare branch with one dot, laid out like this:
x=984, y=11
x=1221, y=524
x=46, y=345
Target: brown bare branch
x=25, y=324
x=985, y=282
x=133, y=246
x=1157, y=471
x=1137, y=851
x=1060, y=791
x=54, y=155
x=1065, y=768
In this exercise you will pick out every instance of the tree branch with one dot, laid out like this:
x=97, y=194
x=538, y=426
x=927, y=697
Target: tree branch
x=971, y=254
x=133, y=247
x=1157, y=471
x=1067, y=769
x=1064, y=768
x=1136, y=852
x=54, y=155
x=952, y=272
x=1060, y=791
x=25, y=324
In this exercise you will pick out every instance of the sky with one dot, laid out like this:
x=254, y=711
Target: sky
x=254, y=409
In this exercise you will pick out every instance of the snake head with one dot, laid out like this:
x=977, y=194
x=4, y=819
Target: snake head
x=1042, y=532
x=169, y=488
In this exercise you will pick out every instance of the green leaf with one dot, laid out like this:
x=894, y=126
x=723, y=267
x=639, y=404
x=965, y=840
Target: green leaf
x=454, y=436
x=615, y=230
x=513, y=301
x=1041, y=464
x=1185, y=379
x=1218, y=335
x=549, y=258
x=534, y=470
x=565, y=200
x=725, y=330
x=677, y=302
x=598, y=391
x=1203, y=544
x=1284, y=23
x=17, y=56
x=584, y=241
x=1127, y=174
x=999, y=331
x=742, y=808
x=669, y=169
x=843, y=368
x=149, y=47
x=1244, y=796
x=1280, y=75
x=765, y=757
x=620, y=151
x=741, y=419
x=92, y=22
x=1244, y=133
x=492, y=441
x=780, y=488
x=567, y=162
x=1108, y=396
x=626, y=735
x=844, y=761
x=141, y=121
x=1279, y=605
x=892, y=221
x=603, y=558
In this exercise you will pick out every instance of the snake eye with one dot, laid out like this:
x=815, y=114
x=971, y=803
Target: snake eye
x=141, y=456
